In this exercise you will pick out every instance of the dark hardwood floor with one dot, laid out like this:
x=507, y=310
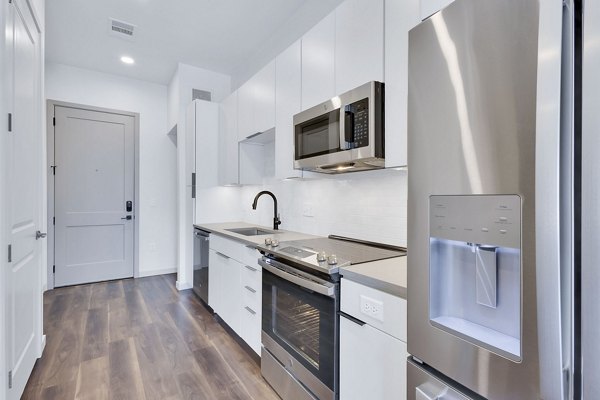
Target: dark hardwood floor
x=139, y=339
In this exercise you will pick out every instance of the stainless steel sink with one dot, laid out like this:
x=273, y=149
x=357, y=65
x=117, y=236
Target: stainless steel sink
x=252, y=231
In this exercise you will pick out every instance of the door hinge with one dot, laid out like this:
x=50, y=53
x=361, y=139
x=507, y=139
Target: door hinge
x=193, y=185
x=53, y=169
x=53, y=220
x=10, y=253
x=54, y=269
x=53, y=121
x=10, y=122
x=10, y=379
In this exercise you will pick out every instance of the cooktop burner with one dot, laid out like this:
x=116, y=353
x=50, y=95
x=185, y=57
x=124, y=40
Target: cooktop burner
x=329, y=254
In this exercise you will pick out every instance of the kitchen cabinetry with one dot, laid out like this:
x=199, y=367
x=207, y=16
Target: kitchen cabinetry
x=318, y=63
x=256, y=103
x=359, y=42
x=400, y=17
x=288, y=96
x=228, y=141
x=235, y=288
x=430, y=7
x=372, y=349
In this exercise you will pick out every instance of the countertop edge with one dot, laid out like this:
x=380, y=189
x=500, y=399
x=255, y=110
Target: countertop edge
x=374, y=283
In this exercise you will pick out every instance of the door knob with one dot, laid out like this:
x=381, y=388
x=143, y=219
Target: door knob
x=127, y=217
x=40, y=235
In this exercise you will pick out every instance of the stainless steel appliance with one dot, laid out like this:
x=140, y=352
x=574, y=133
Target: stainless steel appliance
x=201, y=250
x=300, y=325
x=344, y=134
x=491, y=216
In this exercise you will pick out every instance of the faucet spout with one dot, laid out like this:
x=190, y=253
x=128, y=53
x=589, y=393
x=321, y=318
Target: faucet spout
x=276, y=220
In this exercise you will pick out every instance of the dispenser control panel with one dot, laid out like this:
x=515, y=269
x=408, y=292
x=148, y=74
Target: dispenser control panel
x=483, y=219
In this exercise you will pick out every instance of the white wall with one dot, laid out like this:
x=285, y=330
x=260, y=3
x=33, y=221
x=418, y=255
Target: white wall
x=157, y=203
x=365, y=205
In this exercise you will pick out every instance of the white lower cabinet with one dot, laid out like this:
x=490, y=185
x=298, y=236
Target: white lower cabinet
x=235, y=288
x=372, y=348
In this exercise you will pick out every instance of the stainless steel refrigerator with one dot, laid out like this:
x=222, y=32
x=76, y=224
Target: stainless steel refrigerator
x=503, y=202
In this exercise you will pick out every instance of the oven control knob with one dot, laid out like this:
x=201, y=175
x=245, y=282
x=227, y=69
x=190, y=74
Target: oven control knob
x=332, y=259
x=268, y=241
x=321, y=256
x=274, y=242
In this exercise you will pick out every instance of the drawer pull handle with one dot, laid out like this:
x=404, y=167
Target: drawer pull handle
x=251, y=311
x=222, y=255
x=250, y=289
x=351, y=318
x=251, y=268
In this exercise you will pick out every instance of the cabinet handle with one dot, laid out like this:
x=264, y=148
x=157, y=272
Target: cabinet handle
x=251, y=268
x=251, y=311
x=222, y=255
x=351, y=318
x=250, y=289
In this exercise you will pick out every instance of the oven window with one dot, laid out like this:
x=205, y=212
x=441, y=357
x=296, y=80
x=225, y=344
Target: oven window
x=320, y=135
x=303, y=323
x=297, y=323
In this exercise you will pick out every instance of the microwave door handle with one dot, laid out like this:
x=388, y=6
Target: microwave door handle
x=349, y=125
x=343, y=128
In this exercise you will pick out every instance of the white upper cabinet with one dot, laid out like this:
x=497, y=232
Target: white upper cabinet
x=228, y=141
x=256, y=103
x=359, y=42
x=318, y=63
x=288, y=95
x=430, y=7
x=203, y=121
x=400, y=17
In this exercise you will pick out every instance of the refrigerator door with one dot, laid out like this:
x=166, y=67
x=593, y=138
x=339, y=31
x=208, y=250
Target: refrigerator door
x=590, y=208
x=484, y=299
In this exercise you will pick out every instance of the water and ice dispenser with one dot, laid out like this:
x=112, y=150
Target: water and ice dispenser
x=475, y=270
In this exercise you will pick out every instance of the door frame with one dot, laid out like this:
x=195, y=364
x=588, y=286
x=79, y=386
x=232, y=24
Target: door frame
x=50, y=105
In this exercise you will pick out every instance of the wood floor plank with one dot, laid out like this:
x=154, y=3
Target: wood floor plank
x=92, y=380
x=139, y=339
x=95, y=340
x=124, y=372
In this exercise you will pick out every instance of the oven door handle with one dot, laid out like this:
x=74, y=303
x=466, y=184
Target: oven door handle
x=305, y=283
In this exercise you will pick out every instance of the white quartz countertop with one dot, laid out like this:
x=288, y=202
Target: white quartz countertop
x=281, y=235
x=386, y=275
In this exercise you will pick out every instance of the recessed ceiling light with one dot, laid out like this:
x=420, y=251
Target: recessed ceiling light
x=127, y=60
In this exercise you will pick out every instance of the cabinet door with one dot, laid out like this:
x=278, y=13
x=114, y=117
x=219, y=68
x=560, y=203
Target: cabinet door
x=318, y=63
x=358, y=43
x=215, y=268
x=288, y=95
x=245, y=116
x=264, y=98
x=230, y=293
x=207, y=138
x=372, y=363
x=400, y=17
x=430, y=7
x=228, y=142
x=250, y=321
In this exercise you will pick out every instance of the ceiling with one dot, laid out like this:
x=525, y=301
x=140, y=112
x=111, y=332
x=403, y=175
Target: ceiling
x=219, y=35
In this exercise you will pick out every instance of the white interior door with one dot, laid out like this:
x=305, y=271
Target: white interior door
x=24, y=199
x=94, y=180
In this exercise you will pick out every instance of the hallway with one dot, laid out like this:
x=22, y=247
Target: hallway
x=139, y=339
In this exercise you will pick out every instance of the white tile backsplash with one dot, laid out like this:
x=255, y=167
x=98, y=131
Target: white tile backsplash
x=365, y=205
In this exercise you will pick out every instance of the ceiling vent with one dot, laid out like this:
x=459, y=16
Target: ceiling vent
x=121, y=29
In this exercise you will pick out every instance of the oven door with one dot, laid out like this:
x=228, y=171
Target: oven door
x=300, y=325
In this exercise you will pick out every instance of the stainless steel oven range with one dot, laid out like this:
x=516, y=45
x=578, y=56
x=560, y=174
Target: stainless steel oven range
x=300, y=307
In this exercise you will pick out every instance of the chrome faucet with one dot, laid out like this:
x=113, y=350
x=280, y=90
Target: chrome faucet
x=276, y=220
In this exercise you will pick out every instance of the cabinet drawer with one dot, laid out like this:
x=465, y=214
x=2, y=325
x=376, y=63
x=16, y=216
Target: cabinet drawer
x=248, y=255
x=392, y=308
x=252, y=275
x=251, y=322
x=226, y=247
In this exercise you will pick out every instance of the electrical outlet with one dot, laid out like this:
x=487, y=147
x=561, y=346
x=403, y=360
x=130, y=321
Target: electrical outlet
x=371, y=307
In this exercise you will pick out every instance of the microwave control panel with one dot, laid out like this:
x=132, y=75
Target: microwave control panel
x=357, y=124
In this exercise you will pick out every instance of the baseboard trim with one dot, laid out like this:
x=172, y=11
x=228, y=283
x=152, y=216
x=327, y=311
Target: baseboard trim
x=183, y=285
x=154, y=272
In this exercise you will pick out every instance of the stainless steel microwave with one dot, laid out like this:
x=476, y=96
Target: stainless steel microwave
x=344, y=134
